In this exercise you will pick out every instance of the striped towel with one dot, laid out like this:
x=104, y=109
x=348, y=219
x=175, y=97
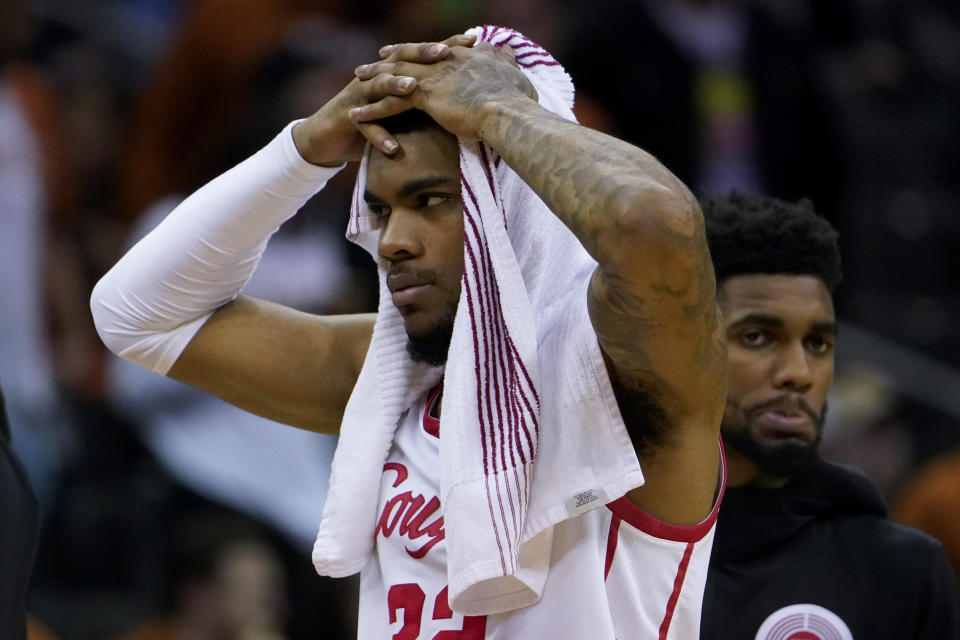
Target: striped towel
x=531, y=433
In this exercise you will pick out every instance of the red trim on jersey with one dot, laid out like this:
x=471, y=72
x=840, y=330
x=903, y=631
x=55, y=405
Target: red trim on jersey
x=612, y=538
x=640, y=519
x=430, y=424
x=677, y=586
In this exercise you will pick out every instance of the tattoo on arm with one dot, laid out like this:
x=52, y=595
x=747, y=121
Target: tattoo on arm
x=582, y=175
x=653, y=297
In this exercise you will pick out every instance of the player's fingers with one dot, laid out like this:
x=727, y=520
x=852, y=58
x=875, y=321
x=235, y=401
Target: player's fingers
x=378, y=137
x=385, y=83
x=415, y=51
x=399, y=69
x=384, y=108
x=460, y=40
x=372, y=70
x=425, y=52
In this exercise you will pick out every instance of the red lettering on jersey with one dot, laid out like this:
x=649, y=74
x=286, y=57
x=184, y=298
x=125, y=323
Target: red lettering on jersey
x=407, y=514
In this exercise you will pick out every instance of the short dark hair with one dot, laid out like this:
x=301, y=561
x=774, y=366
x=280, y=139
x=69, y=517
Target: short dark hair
x=407, y=122
x=752, y=233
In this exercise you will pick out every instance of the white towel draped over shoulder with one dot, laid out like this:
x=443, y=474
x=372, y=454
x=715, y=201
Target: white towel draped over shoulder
x=530, y=431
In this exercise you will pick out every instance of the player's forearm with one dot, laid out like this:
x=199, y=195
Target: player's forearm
x=612, y=195
x=150, y=304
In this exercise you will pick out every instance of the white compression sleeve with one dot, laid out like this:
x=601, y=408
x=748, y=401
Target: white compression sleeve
x=149, y=306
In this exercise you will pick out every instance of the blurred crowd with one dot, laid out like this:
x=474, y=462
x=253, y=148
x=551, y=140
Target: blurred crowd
x=167, y=514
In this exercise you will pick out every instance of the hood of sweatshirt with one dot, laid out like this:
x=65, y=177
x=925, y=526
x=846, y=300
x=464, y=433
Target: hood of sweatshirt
x=754, y=521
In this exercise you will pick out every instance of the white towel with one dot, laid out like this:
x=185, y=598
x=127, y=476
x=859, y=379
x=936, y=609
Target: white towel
x=530, y=431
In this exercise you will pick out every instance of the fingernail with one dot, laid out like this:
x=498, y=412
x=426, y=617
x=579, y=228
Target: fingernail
x=437, y=49
x=390, y=145
x=362, y=68
x=386, y=49
x=405, y=84
x=355, y=112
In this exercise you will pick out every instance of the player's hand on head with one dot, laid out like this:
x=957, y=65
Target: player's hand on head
x=331, y=137
x=454, y=84
x=385, y=71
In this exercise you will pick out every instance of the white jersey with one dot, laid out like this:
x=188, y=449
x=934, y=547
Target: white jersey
x=616, y=572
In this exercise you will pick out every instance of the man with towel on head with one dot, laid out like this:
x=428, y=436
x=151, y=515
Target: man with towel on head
x=547, y=328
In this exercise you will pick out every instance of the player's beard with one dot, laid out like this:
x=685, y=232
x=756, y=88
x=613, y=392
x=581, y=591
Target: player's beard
x=777, y=460
x=431, y=346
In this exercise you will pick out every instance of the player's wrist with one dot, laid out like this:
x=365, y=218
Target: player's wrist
x=301, y=175
x=496, y=117
x=308, y=138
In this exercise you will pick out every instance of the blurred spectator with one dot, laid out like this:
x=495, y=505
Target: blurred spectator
x=899, y=93
x=45, y=340
x=930, y=500
x=721, y=91
x=228, y=584
x=36, y=630
x=18, y=537
x=868, y=425
x=200, y=88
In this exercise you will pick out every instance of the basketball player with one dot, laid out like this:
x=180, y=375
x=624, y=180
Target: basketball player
x=803, y=548
x=634, y=568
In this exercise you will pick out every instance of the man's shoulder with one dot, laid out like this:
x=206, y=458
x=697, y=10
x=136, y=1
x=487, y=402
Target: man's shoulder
x=877, y=538
x=906, y=538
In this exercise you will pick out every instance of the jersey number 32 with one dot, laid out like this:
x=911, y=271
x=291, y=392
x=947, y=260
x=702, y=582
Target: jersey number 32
x=410, y=598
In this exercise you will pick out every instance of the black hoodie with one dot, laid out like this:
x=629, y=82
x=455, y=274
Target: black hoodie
x=819, y=556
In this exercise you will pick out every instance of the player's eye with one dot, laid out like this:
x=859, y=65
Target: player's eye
x=754, y=338
x=818, y=344
x=426, y=200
